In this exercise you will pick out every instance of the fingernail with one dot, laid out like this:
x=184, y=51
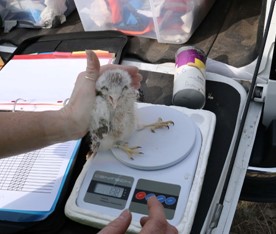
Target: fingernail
x=152, y=197
x=125, y=214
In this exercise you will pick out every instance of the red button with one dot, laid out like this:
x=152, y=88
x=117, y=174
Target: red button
x=140, y=195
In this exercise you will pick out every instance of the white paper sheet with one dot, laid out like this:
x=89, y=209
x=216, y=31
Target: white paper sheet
x=32, y=181
x=31, y=82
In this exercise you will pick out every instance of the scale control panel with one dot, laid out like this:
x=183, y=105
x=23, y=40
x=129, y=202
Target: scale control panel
x=113, y=190
x=166, y=193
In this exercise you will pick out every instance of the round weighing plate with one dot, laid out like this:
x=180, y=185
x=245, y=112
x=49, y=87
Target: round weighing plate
x=163, y=148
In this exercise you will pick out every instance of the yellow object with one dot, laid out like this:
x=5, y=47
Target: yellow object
x=198, y=63
x=1, y=63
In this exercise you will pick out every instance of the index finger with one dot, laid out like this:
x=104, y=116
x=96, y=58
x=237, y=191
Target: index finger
x=156, y=221
x=156, y=209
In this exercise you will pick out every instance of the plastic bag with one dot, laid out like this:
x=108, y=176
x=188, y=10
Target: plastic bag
x=34, y=13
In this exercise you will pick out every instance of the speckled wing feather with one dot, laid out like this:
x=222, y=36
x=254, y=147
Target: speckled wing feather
x=100, y=123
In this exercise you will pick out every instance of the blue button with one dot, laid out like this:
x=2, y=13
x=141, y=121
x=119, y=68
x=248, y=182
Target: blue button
x=149, y=195
x=161, y=198
x=170, y=201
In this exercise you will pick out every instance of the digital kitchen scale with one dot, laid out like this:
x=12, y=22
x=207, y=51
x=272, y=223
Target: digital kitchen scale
x=171, y=167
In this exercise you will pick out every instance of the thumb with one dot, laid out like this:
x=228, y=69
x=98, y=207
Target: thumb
x=93, y=65
x=118, y=225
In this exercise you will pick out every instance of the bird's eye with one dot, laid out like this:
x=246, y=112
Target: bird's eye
x=104, y=88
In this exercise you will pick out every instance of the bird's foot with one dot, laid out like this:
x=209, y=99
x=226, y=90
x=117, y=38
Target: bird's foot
x=130, y=151
x=90, y=154
x=158, y=124
x=93, y=149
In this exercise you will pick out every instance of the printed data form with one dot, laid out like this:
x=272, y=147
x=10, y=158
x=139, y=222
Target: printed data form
x=32, y=181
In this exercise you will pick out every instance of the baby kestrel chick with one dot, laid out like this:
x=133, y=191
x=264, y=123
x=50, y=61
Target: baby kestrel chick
x=113, y=117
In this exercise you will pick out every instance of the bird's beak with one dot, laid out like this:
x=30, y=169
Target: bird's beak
x=114, y=104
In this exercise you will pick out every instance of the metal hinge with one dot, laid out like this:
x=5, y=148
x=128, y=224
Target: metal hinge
x=260, y=93
x=215, y=218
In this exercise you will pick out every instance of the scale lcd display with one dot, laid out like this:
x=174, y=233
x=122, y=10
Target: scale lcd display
x=109, y=190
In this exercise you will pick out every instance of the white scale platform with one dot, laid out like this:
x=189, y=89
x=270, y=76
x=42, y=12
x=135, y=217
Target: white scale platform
x=171, y=167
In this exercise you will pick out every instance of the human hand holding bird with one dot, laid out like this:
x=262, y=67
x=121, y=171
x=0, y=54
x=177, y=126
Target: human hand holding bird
x=77, y=110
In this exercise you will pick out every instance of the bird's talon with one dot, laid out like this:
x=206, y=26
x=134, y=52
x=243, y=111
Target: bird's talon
x=158, y=124
x=130, y=151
